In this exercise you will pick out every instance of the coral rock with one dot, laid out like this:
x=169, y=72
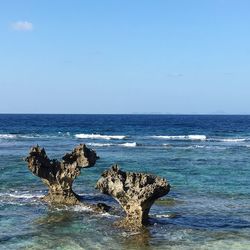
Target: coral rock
x=60, y=175
x=136, y=193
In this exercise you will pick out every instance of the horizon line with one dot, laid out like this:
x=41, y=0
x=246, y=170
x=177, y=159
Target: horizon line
x=153, y=113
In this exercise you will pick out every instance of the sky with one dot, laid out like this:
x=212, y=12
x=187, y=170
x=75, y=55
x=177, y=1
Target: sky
x=125, y=56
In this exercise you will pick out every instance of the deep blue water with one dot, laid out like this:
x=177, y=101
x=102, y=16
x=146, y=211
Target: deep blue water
x=206, y=159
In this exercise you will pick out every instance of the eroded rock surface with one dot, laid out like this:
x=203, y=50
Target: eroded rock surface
x=60, y=175
x=136, y=193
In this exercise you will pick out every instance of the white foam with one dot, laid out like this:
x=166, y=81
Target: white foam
x=181, y=137
x=86, y=208
x=22, y=195
x=163, y=215
x=25, y=196
x=232, y=140
x=100, y=144
x=14, y=136
x=128, y=144
x=106, y=214
x=82, y=208
x=98, y=136
x=26, y=136
x=7, y=136
x=196, y=146
x=216, y=139
x=197, y=137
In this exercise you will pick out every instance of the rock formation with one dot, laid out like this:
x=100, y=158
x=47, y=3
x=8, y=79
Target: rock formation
x=136, y=193
x=60, y=175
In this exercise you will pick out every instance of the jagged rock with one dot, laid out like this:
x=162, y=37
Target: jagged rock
x=60, y=175
x=136, y=193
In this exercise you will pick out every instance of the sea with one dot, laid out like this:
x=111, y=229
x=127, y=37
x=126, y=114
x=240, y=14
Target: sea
x=205, y=158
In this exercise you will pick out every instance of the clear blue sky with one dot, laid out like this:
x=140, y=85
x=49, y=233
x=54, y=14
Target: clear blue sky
x=125, y=56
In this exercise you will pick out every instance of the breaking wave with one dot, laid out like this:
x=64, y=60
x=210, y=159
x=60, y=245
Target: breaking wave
x=198, y=138
x=228, y=139
x=33, y=136
x=100, y=144
x=207, y=147
x=98, y=136
x=127, y=144
x=7, y=136
x=181, y=137
x=112, y=138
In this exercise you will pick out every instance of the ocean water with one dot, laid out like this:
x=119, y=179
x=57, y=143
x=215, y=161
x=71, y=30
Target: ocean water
x=206, y=159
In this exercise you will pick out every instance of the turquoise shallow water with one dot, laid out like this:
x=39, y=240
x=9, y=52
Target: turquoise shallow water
x=206, y=159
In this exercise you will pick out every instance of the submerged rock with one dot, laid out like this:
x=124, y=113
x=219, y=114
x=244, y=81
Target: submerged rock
x=60, y=175
x=101, y=207
x=136, y=193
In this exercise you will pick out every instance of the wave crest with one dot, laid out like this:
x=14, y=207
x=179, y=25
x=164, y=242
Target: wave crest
x=128, y=144
x=7, y=136
x=98, y=136
x=100, y=144
x=232, y=140
x=181, y=137
x=228, y=139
